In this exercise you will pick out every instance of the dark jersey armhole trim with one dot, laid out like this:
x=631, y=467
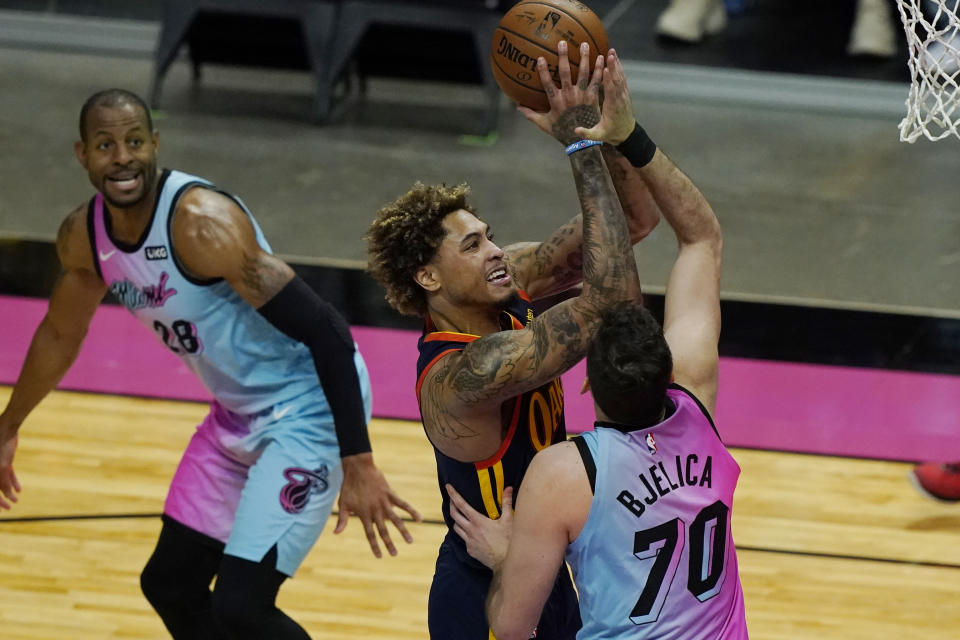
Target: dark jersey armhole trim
x=588, y=463
x=173, y=249
x=703, y=409
x=502, y=451
x=91, y=232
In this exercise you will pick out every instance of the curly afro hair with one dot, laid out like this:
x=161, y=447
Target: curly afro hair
x=405, y=235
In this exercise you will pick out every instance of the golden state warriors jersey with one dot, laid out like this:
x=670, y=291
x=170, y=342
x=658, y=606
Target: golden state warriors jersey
x=535, y=422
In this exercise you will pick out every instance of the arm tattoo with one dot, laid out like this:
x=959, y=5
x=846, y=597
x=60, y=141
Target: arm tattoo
x=437, y=416
x=582, y=115
x=641, y=210
x=559, y=262
x=609, y=268
x=505, y=364
x=66, y=231
x=262, y=276
x=551, y=266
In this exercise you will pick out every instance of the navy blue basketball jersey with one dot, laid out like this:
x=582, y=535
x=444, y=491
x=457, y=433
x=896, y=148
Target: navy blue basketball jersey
x=536, y=421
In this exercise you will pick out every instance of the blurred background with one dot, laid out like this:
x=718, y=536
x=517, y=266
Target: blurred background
x=793, y=140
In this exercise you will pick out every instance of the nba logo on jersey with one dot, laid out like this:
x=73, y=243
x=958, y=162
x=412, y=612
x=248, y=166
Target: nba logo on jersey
x=651, y=444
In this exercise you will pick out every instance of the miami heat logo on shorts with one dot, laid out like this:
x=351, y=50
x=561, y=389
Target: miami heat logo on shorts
x=300, y=484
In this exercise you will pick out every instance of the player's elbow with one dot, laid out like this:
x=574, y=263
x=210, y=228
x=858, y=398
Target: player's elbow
x=63, y=338
x=508, y=622
x=641, y=227
x=706, y=234
x=713, y=237
x=509, y=630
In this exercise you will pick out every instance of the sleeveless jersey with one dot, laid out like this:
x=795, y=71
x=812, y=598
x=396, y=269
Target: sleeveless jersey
x=536, y=422
x=245, y=362
x=655, y=558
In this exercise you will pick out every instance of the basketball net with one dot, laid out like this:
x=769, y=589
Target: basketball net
x=933, y=38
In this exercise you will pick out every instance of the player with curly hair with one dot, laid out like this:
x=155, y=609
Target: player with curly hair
x=488, y=372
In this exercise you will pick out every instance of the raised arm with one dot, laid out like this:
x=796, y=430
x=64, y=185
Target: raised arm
x=56, y=341
x=465, y=390
x=691, y=322
x=214, y=238
x=545, y=268
x=692, y=315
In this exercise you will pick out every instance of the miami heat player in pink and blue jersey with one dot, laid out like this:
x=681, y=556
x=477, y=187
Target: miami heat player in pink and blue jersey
x=287, y=428
x=263, y=382
x=655, y=558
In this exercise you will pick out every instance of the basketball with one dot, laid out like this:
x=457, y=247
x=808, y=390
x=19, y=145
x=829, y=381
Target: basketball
x=532, y=28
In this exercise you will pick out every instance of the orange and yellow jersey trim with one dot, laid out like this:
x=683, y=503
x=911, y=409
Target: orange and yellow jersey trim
x=536, y=421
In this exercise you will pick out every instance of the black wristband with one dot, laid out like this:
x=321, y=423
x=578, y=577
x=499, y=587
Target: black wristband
x=301, y=314
x=638, y=148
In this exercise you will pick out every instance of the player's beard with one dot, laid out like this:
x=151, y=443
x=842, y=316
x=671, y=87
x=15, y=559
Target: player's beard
x=150, y=179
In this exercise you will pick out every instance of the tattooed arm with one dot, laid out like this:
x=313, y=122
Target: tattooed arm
x=544, y=268
x=214, y=238
x=464, y=390
x=55, y=343
x=555, y=265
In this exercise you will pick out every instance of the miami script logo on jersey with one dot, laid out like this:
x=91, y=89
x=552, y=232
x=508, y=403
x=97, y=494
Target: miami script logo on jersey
x=651, y=444
x=301, y=484
x=133, y=297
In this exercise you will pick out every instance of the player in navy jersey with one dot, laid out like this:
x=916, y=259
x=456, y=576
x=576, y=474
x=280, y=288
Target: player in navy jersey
x=488, y=370
x=287, y=428
x=639, y=507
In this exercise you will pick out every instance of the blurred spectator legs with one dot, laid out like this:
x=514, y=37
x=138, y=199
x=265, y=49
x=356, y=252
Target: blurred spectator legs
x=690, y=20
x=873, y=30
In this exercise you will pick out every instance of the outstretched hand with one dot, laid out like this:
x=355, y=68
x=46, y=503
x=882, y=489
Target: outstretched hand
x=9, y=485
x=487, y=540
x=366, y=494
x=616, y=116
x=585, y=92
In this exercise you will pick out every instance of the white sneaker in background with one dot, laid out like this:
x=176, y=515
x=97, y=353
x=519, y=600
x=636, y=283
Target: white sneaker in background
x=872, y=33
x=690, y=20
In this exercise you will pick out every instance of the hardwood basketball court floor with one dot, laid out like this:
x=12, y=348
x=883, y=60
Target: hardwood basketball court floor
x=829, y=547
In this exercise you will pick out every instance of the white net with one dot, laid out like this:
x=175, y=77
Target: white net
x=933, y=37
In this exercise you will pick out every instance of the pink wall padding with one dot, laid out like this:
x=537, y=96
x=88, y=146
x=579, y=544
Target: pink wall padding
x=119, y=355
x=762, y=404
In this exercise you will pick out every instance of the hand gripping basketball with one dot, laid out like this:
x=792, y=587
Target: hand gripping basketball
x=572, y=104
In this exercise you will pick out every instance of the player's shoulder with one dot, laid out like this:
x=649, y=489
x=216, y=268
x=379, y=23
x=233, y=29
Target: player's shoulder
x=437, y=357
x=202, y=204
x=73, y=239
x=77, y=214
x=554, y=465
x=208, y=219
x=558, y=477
